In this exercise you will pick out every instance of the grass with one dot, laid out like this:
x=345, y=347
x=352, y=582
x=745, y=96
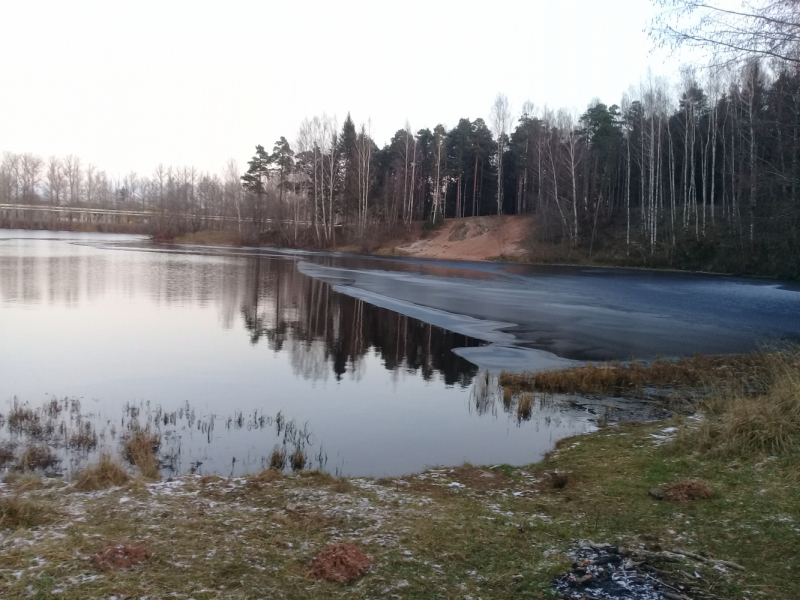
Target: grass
x=139, y=450
x=277, y=460
x=85, y=438
x=106, y=473
x=759, y=419
x=524, y=406
x=22, y=419
x=298, y=460
x=489, y=532
x=23, y=482
x=222, y=237
x=499, y=534
x=20, y=512
x=617, y=378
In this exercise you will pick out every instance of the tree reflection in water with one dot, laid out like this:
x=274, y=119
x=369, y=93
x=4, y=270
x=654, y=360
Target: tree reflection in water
x=326, y=331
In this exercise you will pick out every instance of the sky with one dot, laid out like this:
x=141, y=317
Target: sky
x=127, y=86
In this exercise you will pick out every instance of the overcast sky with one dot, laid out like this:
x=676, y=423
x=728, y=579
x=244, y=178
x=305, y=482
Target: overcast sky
x=130, y=85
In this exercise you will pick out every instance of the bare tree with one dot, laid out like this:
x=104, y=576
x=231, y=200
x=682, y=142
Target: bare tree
x=733, y=34
x=364, y=156
x=31, y=170
x=500, y=119
x=233, y=192
x=55, y=181
x=74, y=175
x=572, y=156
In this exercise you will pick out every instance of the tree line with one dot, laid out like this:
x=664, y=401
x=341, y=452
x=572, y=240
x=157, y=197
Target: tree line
x=699, y=174
x=702, y=174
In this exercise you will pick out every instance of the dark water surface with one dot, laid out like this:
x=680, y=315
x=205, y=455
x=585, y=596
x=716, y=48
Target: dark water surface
x=373, y=367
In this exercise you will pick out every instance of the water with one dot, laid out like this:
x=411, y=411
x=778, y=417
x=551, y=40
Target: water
x=370, y=366
x=211, y=348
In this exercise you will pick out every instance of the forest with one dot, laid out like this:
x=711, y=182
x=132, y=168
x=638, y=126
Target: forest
x=700, y=173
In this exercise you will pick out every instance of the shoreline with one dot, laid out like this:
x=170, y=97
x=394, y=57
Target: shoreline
x=493, y=532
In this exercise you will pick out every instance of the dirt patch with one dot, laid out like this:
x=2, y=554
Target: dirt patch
x=341, y=563
x=458, y=232
x=688, y=489
x=115, y=556
x=474, y=238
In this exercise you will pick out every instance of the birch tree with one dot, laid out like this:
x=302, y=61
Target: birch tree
x=500, y=119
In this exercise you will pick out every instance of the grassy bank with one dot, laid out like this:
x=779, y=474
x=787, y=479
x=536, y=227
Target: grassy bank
x=489, y=532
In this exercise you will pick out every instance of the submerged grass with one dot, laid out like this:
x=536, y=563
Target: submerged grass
x=37, y=457
x=140, y=449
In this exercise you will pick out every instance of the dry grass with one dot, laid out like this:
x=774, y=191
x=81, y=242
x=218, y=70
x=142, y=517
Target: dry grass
x=298, y=460
x=618, y=378
x=106, y=473
x=85, y=438
x=6, y=453
x=207, y=236
x=22, y=419
x=37, y=457
x=688, y=489
x=524, y=406
x=140, y=449
x=19, y=512
x=738, y=422
x=268, y=476
x=23, y=482
x=277, y=460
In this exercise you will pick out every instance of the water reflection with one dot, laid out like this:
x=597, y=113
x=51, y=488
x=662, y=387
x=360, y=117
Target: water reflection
x=230, y=355
x=320, y=328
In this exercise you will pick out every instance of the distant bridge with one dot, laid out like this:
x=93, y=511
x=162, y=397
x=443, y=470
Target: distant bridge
x=44, y=214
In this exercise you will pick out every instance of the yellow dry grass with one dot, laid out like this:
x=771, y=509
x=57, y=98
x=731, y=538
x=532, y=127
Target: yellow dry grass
x=20, y=512
x=616, y=377
x=106, y=473
x=140, y=450
x=738, y=421
x=23, y=482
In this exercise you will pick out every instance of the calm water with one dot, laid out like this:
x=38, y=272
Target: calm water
x=371, y=366
x=232, y=353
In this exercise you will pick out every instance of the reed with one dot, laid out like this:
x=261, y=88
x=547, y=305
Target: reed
x=6, y=453
x=36, y=457
x=524, y=406
x=298, y=460
x=140, y=449
x=277, y=460
x=616, y=378
x=106, y=473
